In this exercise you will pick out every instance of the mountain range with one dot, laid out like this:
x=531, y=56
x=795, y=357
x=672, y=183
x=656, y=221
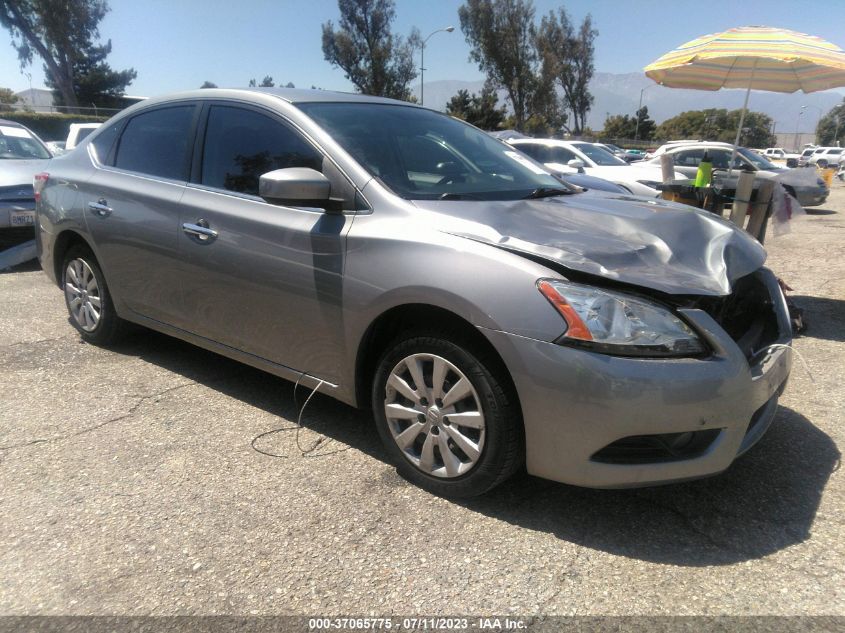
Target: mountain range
x=620, y=94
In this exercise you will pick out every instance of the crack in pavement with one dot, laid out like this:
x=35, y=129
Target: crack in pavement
x=132, y=410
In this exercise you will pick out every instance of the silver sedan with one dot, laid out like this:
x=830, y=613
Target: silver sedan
x=395, y=258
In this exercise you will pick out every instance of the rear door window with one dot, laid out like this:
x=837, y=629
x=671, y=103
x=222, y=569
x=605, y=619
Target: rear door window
x=241, y=144
x=157, y=143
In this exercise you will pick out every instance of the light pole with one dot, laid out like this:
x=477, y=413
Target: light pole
x=448, y=29
x=804, y=107
x=637, y=129
x=797, y=124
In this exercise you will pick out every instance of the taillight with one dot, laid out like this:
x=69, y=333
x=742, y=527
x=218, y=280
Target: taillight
x=39, y=181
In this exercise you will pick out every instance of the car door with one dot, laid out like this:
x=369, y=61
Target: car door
x=269, y=280
x=131, y=207
x=687, y=161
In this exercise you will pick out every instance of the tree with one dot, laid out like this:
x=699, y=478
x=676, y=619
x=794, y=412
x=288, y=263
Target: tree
x=719, y=125
x=208, y=84
x=7, y=97
x=267, y=82
x=478, y=110
x=376, y=61
x=567, y=59
x=501, y=37
x=63, y=33
x=94, y=82
x=619, y=126
x=831, y=128
x=289, y=85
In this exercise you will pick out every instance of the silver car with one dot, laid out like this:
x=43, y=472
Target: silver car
x=396, y=258
x=22, y=154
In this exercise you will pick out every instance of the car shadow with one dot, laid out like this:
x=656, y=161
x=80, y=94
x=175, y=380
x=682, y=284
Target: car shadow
x=817, y=211
x=765, y=502
x=825, y=317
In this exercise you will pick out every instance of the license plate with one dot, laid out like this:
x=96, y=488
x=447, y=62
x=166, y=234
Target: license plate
x=22, y=218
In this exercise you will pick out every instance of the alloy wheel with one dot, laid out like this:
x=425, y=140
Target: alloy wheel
x=83, y=294
x=434, y=415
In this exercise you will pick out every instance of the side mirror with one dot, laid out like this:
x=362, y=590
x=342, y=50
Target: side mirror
x=295, y=185
x=576, y=164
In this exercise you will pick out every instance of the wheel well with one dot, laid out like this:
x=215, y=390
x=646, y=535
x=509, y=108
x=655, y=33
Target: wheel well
x=420, y=318
x=63, y=242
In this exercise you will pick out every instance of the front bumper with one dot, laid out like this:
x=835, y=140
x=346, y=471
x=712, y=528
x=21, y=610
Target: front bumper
x=576, y=403
x=811, y=197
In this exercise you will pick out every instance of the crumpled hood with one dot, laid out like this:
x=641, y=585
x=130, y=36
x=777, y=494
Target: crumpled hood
x=19, y=172
x=654, y=244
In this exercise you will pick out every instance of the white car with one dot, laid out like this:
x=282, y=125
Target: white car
x=574, y=156
x=826, y=156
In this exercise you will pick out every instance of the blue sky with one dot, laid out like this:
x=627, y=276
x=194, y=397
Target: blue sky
x=178, y=44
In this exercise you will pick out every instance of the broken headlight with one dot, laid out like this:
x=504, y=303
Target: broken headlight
x=615, y=323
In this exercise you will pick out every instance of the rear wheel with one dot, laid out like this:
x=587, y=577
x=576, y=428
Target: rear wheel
x=447, y=416
x=87, y=298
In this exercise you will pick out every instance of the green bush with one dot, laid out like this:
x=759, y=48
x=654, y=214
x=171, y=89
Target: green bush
x=50, y=127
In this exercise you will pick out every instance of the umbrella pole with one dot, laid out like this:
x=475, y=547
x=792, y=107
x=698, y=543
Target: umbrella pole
x=741, y=120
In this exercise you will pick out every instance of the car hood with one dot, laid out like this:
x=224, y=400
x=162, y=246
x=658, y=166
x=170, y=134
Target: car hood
x=654, y=244
x=18, y=172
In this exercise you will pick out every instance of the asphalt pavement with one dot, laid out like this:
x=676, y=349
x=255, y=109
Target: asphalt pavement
x=156, y=478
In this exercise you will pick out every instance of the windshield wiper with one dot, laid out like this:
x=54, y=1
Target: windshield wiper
x=548, y=192
x=458, y=196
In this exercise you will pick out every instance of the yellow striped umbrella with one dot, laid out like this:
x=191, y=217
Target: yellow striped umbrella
x=752, y=57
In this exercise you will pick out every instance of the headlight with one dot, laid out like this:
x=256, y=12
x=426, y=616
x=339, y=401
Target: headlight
x=614, y=323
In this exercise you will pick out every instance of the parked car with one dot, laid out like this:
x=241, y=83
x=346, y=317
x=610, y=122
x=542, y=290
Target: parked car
x=825, y=157
x=394, y=257
x=805, y=155
x=624, y=154
x=23, y=154
x=688, y=156
x=571, y=156
x=77, y=133
x=780, y=154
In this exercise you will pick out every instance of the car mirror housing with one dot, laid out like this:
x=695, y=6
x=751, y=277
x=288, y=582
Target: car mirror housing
x=576, y=164
x=295, y=185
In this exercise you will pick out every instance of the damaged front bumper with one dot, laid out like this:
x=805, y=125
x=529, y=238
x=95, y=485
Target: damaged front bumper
x=604, y=421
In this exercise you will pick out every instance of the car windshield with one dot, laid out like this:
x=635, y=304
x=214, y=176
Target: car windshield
x=16, y=143
x=599, y=156
x=755, y=159
x=424, y=155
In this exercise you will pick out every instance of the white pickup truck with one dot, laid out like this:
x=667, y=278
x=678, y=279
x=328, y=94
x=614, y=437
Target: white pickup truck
x=77, y=132
x=781, y=155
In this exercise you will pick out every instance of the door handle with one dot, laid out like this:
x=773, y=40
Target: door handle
x=200, y=230
x=101, y=208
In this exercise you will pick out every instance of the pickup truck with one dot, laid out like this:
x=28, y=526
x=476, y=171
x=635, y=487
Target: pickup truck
x=77, y=132
x=780, y=154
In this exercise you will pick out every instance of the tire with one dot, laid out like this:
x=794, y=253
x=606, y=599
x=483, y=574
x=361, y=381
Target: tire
x=87, y=298
x=428, y=448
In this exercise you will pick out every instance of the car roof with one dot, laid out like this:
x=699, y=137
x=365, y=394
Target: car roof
x=291, y=95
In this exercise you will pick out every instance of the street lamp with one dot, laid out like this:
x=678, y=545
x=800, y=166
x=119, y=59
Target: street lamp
x=804, y=107
x=797, y=124
x=637, y=129
x=448, y=29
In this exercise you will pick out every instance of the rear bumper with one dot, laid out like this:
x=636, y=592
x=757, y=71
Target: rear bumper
x=577, y=403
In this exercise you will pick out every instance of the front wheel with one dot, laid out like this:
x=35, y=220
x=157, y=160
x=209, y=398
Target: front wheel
x=447, y=416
